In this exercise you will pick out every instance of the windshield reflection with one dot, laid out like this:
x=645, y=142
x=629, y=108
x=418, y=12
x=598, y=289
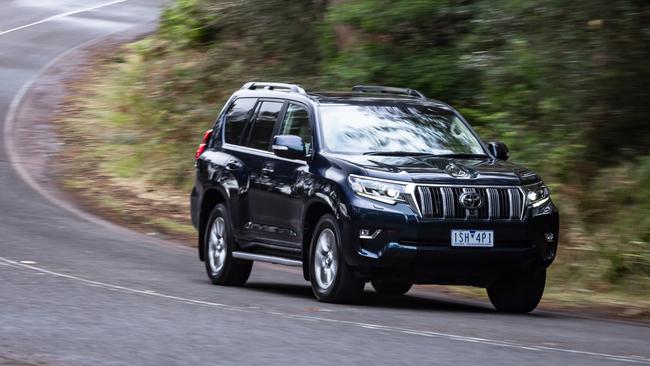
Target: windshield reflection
x=389, y=128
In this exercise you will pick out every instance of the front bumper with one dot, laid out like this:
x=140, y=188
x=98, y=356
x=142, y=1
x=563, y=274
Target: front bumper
x=419, y=250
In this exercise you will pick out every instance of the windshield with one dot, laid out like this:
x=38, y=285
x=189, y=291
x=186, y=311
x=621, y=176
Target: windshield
x=396, y=128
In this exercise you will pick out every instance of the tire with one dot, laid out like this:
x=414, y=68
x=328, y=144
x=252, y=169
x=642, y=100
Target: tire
x=221, y=267
x=391, y=288
x=518, y=292
x=331, y=278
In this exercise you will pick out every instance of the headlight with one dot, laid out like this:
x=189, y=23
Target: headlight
x=386, y=192
x=537, y=194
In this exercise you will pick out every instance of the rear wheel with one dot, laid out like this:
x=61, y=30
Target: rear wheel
x=221, y=267
x=331, y=278
x=391, y=288
x=518, y=292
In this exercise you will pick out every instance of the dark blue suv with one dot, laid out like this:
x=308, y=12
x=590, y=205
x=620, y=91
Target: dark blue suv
x=379, y=184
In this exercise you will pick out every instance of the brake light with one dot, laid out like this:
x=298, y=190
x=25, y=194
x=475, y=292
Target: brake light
x=203, y=145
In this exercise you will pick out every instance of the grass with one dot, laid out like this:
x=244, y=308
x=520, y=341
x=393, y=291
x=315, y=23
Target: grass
x=106, y=153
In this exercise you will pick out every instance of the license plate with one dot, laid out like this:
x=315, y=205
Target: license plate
x=472, y=238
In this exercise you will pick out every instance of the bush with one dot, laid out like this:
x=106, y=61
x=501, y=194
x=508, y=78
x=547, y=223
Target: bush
x=564, y=84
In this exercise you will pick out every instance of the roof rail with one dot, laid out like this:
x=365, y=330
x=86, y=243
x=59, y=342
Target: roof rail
x=387, y=90
x=254, y=85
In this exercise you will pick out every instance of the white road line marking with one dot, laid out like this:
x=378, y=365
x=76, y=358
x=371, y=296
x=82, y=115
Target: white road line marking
x=62, y=15
x=369, y=326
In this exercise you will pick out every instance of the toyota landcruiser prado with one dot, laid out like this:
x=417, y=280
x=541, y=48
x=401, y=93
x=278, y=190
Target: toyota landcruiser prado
x=377, y=185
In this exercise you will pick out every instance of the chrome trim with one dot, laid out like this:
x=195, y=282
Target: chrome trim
x=540, y=202
x=427, y=199
x=380, y=179
x=449, y=196
x=448, y=209
x=460, y=185
x=411, y=191
x=294, y=88
x=493, y=202
x=267, y=258
x=516, y=201
x=266, y=153
x=374, y=235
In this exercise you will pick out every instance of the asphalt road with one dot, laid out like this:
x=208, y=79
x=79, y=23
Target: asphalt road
x=76, y=291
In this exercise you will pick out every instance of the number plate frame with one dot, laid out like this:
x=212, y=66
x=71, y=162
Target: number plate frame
x=472, y=238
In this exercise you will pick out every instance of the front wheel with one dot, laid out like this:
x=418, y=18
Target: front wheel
x=331, y=278
x=518, y=292
x=221, y=267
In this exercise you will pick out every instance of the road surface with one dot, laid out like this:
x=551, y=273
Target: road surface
x=76, y=291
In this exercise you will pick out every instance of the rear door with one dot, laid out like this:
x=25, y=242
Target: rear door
x=228, y=162
x=260, y=223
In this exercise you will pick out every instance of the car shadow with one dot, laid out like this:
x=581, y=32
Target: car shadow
x=411, y=301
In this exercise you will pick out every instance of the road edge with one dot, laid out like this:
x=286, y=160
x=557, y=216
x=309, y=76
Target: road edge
x=50, y=195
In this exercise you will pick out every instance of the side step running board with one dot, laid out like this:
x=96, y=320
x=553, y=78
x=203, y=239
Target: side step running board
x=267, y=258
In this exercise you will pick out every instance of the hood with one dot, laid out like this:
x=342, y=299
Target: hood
x=431, y=169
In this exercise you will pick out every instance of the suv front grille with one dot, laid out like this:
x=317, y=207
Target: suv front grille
x=499, y=203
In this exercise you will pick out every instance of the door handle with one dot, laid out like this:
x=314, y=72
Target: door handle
x=267, y=170
x=233, y=165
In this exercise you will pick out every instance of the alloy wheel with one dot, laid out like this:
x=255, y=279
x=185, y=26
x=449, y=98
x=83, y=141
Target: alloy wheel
x=217, y=245
x=325, y=259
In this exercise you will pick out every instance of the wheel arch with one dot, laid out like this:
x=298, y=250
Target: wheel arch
x=210, y=200
x=314, y=211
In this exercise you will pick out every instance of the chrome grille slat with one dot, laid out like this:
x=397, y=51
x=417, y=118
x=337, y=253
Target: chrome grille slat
x=447, y=202
x=499, y=203
x=515, y=203
x=427, y=201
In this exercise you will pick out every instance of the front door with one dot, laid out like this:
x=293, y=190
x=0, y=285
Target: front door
x=286, y=179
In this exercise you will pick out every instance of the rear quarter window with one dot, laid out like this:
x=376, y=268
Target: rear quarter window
x=238, y=115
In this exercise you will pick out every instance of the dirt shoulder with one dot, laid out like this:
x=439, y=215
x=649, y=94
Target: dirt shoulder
x=66, y=160
x=81, y=149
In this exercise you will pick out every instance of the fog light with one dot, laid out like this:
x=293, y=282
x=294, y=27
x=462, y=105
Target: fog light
x=550, y=237
x=367, y=234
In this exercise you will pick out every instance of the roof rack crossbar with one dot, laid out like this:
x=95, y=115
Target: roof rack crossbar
x=255, y=85
x=387, y=90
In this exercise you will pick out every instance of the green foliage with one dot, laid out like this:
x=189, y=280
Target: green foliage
x=619, y=213
x=185, y=24
x=272, y=32
x=562, y=83
x=566, y=79
x=402, y=43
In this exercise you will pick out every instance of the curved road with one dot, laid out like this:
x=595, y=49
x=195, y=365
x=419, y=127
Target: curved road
x=74, y=291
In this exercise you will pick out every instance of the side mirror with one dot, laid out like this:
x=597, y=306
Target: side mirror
x=499, y=150
x=289, y=147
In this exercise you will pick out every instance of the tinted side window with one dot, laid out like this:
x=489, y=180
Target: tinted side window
x=296, y=122
x=239, y=112
x=262, y=132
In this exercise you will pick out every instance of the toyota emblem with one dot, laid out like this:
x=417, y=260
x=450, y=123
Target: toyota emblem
x=471, y=200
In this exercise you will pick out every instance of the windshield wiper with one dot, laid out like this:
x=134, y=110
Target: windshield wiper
x=462, y=156
x=397, y=153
